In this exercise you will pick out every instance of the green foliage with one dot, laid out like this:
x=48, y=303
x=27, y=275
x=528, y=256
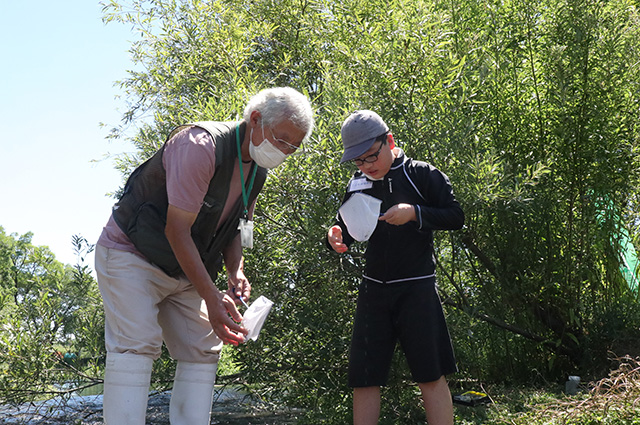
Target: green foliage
x=554, y=137
x=611, y=400
x=531, y=108
x=50, y=323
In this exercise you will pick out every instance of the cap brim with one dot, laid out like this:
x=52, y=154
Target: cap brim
x=358, y=150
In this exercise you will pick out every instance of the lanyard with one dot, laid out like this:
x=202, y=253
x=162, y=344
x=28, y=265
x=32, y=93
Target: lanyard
x=245, y=191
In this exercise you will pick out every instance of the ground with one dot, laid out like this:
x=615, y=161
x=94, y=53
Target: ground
x=230, y=407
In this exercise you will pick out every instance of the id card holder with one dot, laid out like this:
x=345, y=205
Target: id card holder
x=246, y=233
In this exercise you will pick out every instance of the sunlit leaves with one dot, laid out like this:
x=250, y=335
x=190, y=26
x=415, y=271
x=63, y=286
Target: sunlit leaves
x=530, y=108
x=45, y=309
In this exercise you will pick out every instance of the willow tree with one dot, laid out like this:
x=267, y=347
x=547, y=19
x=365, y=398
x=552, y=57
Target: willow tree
x=531, y=108
x=47, y=310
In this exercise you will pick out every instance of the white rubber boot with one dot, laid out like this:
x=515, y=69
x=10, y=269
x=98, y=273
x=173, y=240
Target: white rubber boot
x=126, y=389
x=192, y=393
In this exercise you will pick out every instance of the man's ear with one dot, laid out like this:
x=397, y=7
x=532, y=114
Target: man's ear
x=390, y=141
x=254, y=118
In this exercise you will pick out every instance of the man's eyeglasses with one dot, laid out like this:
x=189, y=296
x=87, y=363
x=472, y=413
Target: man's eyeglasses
x=370, y=158
x=283, y=145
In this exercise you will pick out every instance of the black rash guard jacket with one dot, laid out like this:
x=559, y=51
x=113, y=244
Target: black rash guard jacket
x=404, y=253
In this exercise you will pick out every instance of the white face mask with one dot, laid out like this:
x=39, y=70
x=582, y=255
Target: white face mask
x=265, y=154
x=360, y=214
x=373, y=178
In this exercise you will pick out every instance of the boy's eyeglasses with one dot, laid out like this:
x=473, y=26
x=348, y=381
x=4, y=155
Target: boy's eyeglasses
x=370, y=158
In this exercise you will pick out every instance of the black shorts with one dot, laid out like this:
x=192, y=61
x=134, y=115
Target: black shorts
x=409, y=312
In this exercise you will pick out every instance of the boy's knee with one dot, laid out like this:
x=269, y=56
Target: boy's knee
x=434, y=386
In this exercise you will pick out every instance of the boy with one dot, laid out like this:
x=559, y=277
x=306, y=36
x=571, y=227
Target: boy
x=397, y=298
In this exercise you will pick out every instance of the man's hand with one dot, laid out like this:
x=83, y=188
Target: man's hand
x=239, y=286
x=219, y=305
x=399, y=214
x=225, y=326
x=335, y=239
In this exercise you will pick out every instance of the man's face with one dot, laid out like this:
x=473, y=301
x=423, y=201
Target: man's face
x=380, y=165
x=285, y=135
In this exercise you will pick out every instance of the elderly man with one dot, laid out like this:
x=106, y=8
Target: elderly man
x=182, y=214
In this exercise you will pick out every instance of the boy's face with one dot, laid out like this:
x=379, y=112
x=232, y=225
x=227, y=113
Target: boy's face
x=381, y=166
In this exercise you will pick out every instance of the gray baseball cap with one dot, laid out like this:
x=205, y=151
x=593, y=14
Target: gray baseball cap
x=359, y=132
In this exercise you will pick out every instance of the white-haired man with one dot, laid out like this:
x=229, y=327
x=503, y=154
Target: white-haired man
x=182, y=214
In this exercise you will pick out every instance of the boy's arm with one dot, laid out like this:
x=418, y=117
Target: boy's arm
x=334, y=239
x=441, y=210
x=338, y=234
x=400, y=214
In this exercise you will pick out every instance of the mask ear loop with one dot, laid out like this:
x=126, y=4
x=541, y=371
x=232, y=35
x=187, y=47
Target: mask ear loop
x=245, y=192
x=264, y=138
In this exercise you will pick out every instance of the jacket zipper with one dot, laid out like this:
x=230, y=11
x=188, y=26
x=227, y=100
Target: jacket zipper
x=387, y=198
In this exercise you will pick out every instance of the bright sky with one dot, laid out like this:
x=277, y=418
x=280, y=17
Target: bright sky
x=58, y=65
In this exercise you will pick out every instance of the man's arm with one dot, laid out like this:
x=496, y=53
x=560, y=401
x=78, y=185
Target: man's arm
x=219, y=305
x=234, y=262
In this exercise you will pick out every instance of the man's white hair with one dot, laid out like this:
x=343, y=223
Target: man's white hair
x=281, y=103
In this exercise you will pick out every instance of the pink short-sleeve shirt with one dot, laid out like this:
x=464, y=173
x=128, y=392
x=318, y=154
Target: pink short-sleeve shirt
x=189, y=161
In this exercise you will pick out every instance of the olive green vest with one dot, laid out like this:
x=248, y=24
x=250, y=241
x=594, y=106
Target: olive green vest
x=141, y=211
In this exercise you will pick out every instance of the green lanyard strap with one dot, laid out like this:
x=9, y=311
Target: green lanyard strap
x=245, y=191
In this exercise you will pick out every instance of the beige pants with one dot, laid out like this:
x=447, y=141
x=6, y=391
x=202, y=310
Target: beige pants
x=143, y=307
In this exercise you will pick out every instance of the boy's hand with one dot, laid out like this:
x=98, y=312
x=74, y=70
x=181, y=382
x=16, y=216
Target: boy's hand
x=335, y=239
x=399, y=214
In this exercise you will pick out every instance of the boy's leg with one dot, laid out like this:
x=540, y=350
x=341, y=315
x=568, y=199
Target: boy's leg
x=372, y=346
x=437, y=402
x=366, y=405
x=427, y=346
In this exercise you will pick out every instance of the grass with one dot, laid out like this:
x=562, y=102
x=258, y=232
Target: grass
x=612, y=400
